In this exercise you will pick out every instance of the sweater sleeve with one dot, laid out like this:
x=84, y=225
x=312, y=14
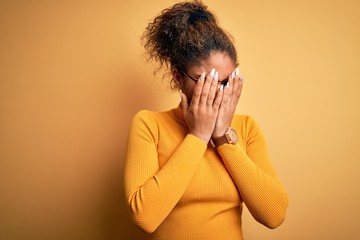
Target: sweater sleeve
x=255, y=178
x=152, y=192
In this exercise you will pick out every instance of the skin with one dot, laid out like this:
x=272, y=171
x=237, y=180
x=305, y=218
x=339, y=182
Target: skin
x=209, y=108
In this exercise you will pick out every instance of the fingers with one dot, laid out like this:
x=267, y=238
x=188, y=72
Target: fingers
x=237, y=86
x=212, y=92
x=198, y=90
x=232, y=91
x=205, y=96
x=227, y=91
x=205, y=91
x=184, y=102
x=219, y=97
x=238, y=83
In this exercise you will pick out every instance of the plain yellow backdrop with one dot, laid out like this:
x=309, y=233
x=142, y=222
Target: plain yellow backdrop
x=73, y=73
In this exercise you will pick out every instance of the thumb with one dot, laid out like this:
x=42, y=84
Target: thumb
x=184, y=103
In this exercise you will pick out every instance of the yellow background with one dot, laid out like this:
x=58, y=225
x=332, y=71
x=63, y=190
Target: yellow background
x=72, y=74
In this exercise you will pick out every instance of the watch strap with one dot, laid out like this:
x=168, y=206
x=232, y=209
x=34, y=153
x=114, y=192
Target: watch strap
x=230, y=136
x=220, y=141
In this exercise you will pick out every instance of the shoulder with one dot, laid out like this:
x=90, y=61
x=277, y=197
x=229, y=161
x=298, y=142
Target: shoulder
x=143, y=118
x=247, y=125
x=149, y=119
x=143, y=127
x=143, y=115
x=148, y=124
x=244, y=121
x=149, y=116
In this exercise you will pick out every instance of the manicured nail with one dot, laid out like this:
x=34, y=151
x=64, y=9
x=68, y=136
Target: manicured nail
x=212, y=73
x=221, y=88
x=216, y=77
x=241, y=78
x=180, y=92
x=227, y=85
x=237, y=71
x=202, y=77
x=232, y=75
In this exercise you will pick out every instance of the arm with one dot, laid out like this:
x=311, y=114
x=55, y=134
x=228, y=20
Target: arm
x=254, y=176
x=250, y=168
x=152, y=193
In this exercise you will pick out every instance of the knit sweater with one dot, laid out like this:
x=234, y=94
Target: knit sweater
x=178, y=187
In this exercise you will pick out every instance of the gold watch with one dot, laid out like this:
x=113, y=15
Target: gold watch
x=230, y=137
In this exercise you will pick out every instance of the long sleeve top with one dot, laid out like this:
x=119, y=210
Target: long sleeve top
x=178, y=187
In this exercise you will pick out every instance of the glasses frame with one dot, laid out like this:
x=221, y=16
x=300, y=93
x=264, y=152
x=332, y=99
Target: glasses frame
x=192, y=78
x=223, y=82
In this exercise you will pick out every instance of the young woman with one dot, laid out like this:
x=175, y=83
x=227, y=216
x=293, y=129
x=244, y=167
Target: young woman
x=190, y=170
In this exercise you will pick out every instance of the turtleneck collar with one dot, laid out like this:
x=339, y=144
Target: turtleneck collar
x=179, y=115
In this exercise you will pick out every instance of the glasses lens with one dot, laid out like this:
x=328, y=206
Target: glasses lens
x=224, y=82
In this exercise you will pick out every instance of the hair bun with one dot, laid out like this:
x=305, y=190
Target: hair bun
x=198, y=15
x=184, y=35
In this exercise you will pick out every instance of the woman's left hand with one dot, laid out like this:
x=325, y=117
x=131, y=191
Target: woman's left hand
x=231, y=95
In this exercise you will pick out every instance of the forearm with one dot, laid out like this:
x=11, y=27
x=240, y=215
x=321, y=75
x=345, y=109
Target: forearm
x=151, y=200
x=259, y=187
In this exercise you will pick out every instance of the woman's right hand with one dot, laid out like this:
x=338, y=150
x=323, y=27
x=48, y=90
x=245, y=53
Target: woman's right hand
x=202, y=112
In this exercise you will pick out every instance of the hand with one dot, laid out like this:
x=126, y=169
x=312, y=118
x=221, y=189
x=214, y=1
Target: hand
x=202, y=112
x=230, y=99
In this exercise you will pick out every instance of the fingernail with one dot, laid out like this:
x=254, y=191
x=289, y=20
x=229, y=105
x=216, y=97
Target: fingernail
x=212, y=72
x=227, y=85
x=216, y=77
x=202, y=77
x=232, y=75
x=237, y=71
x=221, y=88
x=241, y=78
x=180, y=92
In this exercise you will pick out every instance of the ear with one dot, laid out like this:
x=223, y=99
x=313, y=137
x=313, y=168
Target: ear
x=177, y=77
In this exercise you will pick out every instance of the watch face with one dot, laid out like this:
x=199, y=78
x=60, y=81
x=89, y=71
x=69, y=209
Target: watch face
x=232, y=136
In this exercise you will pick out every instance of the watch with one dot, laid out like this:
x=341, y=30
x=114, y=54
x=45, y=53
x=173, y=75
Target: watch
x=230, y=137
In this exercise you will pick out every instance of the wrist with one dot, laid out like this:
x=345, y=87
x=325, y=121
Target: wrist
x=218, y=134
x=230, y=137
x=202, y=137
x=219, y=141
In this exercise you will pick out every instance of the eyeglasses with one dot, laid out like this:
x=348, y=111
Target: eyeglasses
x=194, y=79
x=223, y=82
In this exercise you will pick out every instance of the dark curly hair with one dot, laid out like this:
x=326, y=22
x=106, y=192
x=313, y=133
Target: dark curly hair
x=184, y=35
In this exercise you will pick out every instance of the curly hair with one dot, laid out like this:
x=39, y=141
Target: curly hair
x=183, y=35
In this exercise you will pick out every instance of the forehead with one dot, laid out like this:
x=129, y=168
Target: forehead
x=221, y=61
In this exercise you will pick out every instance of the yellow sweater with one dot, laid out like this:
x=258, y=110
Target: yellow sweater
x=177, y=187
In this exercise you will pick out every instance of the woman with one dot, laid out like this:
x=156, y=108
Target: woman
x=189, y=170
